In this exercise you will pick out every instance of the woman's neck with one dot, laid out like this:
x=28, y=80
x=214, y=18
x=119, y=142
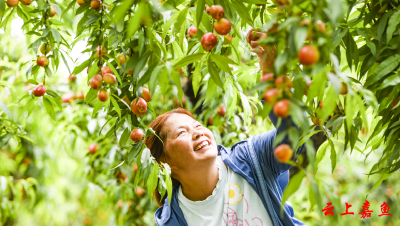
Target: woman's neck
x=199, y=184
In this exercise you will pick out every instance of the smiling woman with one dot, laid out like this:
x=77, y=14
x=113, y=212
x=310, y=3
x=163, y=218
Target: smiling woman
x=214, y=185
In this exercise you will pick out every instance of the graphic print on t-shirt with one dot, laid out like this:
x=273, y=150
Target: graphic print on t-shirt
x=231, y=218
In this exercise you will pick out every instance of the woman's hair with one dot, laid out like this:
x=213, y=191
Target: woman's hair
x=156, y=146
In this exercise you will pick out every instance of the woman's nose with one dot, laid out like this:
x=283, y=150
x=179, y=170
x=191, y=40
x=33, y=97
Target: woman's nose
x=198, y=135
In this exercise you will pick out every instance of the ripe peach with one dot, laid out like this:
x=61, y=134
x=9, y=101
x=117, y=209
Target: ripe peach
x=271, y=96
x=96, y=82
x=308, y=55
x=139, y=191
x=122, y=59
x=176, y=102
x=103, y=51
x=221, y=111
x=71, y=78
x=126, y=100
x=80, y=95
x=305, y=22
x=96, y=4
x=146, y=94
x=209, y=41
x=12, y=3
x=208, y=10
x=39, y=90
x=45, y=48
x=102, y=95
x=139, y=107
x=315, y=120
x=281, y=108
x=93, y=148
x=283, y=153
x=119, y=204
x=217, y=12
x=137, y=135
x=282, y=2
x=106, y=69
x=222, y=26
x=343, y=89
x=180, y=71
x=26, y=2
x=192, y=31
x=228, y=39
x=321, y=26
x=52, y=11
x=42, y=61
x=210, y=120
x=267, y=77
x=283, y=82
x=130, y=72
x=80, y=2
x=67, y=97
x=135, y=168
x=109, y=78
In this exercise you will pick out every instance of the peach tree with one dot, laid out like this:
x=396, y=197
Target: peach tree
x=332, y=66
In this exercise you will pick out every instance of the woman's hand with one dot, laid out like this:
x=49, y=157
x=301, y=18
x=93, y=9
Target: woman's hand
x=266, y=54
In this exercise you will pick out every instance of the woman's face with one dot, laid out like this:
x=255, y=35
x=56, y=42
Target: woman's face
x=182, y=138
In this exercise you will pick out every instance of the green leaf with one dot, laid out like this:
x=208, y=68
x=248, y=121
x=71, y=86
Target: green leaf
x=49, y=107
x=153, y=180
x=118, y=165
x=177, y=49
x=2, y=8
x=301, y=35
x=134, y=22
x=116, y=106
x=214, y=73
x=350, y=110
x=52, y=93
x=329, y=102
x=197, y=77
x=56, y=35
x=321, y=153
x=124, y=137
x=293, y=186
x=164, y=81
x=6, y=110
x=188, y=60
x=80, y=68
x=135, y=150
x=221, y=63
x=242, y=11
x=393, y=22
x=168, y=182
x=168, y=24
x=383, y=69
x=333, y=155
x=199, y=11
x=97, y=107
x=140, y=65
x=382, y=25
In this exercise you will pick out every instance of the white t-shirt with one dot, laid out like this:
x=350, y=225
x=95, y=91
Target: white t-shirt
x=233, y=202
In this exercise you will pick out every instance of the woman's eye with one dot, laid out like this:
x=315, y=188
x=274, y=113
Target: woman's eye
x=198, y=125
x=180, y=133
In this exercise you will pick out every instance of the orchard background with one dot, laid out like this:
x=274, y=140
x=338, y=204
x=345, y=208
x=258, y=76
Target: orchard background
x=66, y=155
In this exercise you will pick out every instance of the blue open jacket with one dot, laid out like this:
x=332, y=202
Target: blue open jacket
x=253, y=159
